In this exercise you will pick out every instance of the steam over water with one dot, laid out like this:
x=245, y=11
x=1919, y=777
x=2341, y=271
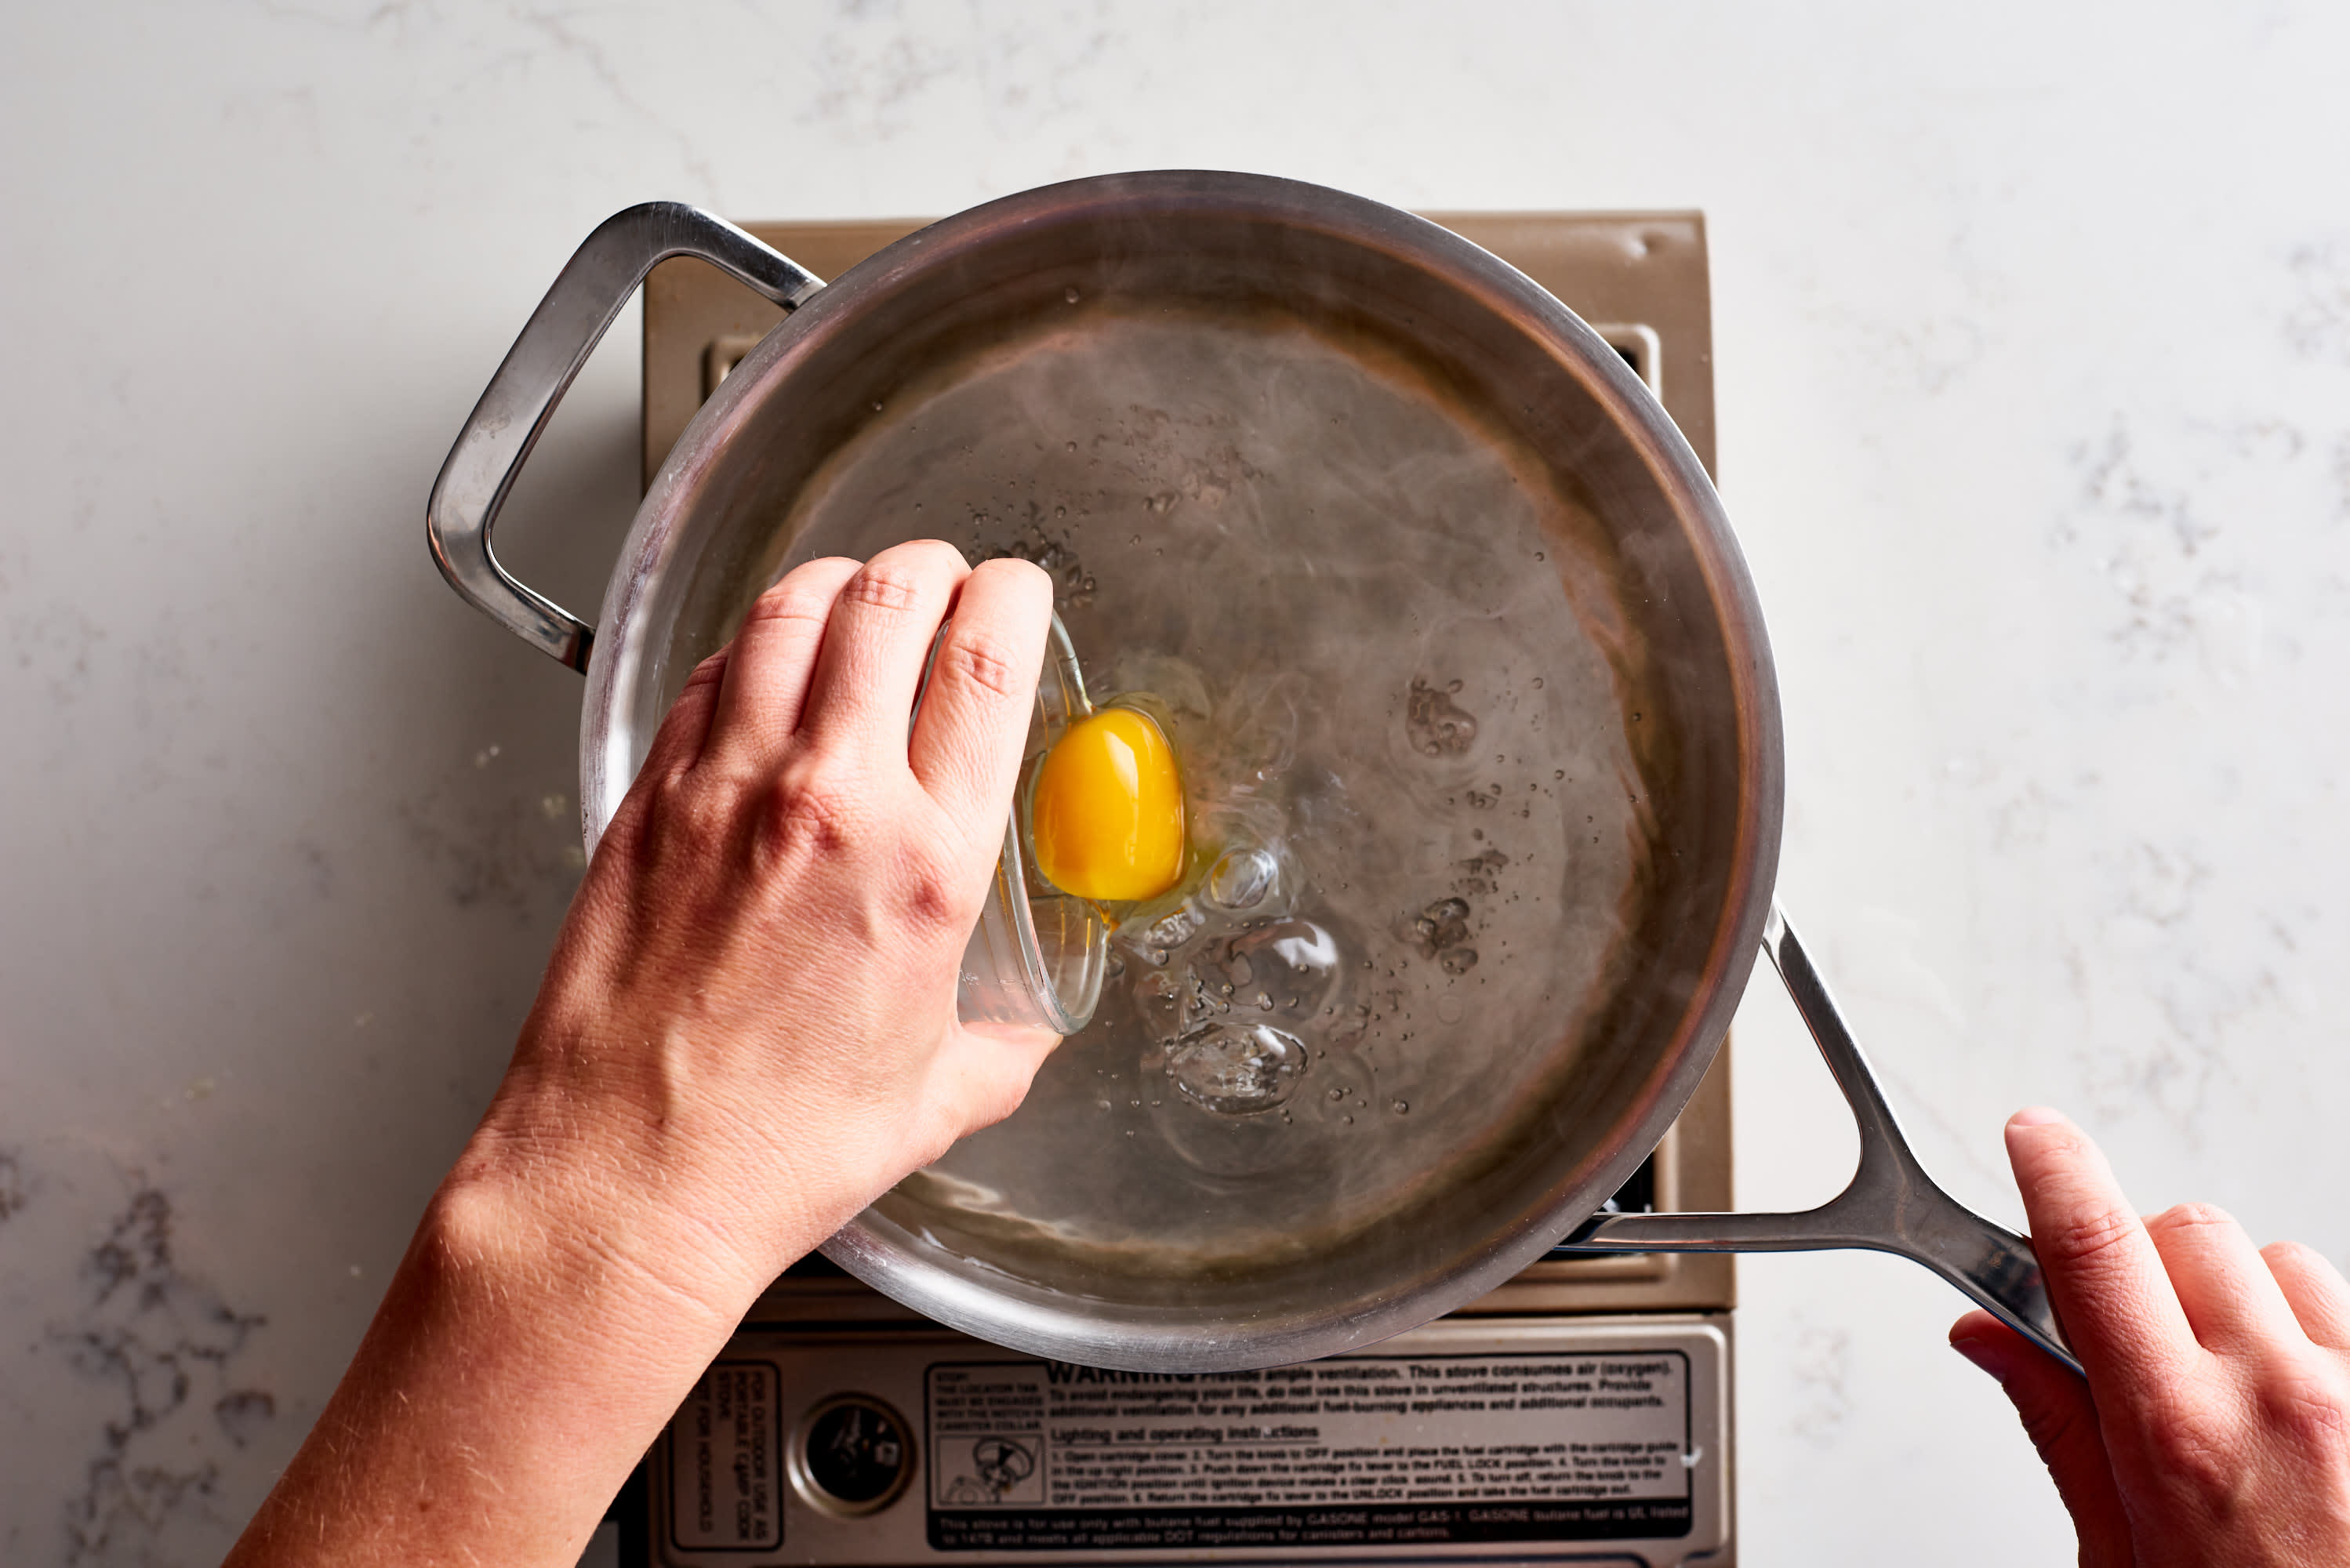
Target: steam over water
x=1373, y=634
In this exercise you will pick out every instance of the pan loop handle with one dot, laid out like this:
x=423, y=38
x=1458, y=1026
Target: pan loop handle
x=1890, y=1206
x=580, y=307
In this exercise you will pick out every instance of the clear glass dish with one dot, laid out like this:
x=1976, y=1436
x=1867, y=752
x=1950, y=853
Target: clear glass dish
x=1038, y=955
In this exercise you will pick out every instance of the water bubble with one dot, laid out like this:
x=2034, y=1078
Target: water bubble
x=1070, y=294
x=1173, y=930
x=1401, y=1106
x=1237, y=1069
x=1442, y=925
x=1101, y=1104
x=1243, y=878
x=1436, y=725
x=1073, y=446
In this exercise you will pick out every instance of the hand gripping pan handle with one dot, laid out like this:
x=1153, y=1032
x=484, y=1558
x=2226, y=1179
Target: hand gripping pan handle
x=555, y=343
x=1890, y=1206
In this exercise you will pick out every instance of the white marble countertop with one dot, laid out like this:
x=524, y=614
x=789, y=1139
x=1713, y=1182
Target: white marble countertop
x=2033, y=333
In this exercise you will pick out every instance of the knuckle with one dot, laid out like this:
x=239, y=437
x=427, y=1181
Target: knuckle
x=981, y=662
x=784, y=604
x=2297, y=1256
x=2050, y=1425
x=885, y=585
x=2305, y=1407
x=684, y=813
x=2188, y=1219
x=813, y=816
x=2188, y=1454
x=937, y=892
x=2085, y=1239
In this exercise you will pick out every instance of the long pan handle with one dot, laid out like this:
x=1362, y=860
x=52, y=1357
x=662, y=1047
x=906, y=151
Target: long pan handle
x=1890, y=1206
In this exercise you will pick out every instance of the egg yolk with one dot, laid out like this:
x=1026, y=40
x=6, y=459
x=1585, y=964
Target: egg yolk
x=1106, y=817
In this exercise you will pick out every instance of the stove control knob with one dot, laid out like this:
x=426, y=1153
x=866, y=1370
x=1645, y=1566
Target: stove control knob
x=852, y=1455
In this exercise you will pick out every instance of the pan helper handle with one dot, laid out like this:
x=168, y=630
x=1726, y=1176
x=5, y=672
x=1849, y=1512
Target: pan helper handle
x=580, y=307
x=1891, y=1205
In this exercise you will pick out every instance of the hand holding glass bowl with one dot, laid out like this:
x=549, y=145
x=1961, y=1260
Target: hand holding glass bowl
x=1098, y=824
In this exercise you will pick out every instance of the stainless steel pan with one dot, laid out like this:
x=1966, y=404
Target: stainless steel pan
x=1306, y=1270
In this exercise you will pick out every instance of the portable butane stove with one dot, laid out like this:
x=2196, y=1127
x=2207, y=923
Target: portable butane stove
x=1581, y=1413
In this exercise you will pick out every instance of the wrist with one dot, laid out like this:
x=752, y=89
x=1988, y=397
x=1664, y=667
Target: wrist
x=606, y=1137
x=620, y=1237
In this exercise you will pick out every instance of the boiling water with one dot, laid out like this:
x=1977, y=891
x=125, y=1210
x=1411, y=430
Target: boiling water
x=1372, y=633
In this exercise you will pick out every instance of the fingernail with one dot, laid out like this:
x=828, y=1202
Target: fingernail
x=2035, y=1117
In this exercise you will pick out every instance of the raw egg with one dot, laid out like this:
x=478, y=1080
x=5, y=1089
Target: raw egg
x=1106, y=817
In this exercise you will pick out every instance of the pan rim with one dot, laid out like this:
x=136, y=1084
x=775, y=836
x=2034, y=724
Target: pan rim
x=869, y=1249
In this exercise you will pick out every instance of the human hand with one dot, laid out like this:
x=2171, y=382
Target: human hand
x=747, y=1031
x=2214, y=1425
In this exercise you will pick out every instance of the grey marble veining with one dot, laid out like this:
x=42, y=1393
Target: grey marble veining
x=2033, y=333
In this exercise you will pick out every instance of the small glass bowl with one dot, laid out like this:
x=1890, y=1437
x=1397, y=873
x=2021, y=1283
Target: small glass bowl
x=1038, y=956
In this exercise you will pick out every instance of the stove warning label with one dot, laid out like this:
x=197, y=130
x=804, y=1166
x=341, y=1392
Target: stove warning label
x=1035, y=1456
x=725, y=1457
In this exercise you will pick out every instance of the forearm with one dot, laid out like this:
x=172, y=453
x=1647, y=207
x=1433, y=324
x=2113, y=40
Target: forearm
x=519, y=1367
x=746, y=1031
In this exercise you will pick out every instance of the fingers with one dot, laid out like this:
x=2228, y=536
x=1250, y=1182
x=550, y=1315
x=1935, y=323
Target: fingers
x=2105, y=1279
x=2062, y=1422
x=2314, y=1289
x=996, y=1063
x=685, y=728
x=967, y=740
x=883, y=622
x=771, y=661
x=2231, y=1299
